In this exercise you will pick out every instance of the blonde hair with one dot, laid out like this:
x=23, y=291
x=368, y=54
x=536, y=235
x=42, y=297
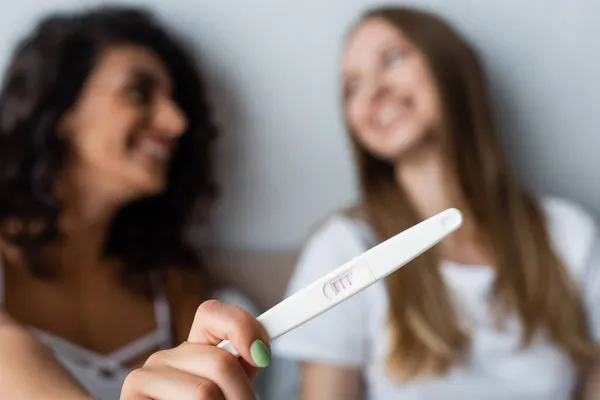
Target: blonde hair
x=531, y=280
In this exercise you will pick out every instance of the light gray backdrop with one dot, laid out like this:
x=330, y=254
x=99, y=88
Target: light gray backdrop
x=272, y=66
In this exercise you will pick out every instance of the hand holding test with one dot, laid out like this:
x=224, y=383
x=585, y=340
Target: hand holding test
x=356, y=275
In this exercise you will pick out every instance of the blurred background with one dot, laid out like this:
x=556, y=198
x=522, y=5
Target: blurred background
x=283, y=158
x=284, y=161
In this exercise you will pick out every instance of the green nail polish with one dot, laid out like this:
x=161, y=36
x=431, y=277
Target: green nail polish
x=260, y=354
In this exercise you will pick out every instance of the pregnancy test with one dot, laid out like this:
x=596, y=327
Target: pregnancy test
x=355, y=275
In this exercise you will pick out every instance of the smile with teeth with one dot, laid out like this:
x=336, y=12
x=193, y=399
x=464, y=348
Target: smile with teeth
x=389, y=115
x=155, y=149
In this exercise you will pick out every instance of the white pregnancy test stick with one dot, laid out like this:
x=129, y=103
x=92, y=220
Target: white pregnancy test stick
x=356, y=275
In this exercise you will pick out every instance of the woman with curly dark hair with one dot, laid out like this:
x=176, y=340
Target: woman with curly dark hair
x=105, y=154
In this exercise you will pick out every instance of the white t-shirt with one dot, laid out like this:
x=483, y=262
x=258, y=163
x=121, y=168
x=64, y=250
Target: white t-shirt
x=353, y=334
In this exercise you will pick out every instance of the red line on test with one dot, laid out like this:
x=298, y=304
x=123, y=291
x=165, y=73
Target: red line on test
x=342, y=284
x=349, y=281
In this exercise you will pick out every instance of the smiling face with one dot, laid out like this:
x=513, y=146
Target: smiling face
x=390, y=96
x=125, y=124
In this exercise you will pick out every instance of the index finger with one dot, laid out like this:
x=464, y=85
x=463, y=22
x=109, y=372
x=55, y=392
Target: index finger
x=216, y=321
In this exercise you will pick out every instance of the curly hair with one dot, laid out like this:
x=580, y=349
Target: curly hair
x=45, y=78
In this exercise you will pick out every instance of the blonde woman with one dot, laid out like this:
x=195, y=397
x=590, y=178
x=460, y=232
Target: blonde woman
x=507, y=307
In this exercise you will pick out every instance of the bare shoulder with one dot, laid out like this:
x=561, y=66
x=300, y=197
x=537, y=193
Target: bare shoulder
x=6, y=321
x=15, y=338
x=23, y=357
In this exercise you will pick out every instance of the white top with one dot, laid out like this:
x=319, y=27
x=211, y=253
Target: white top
x=353, y=333
x=103, y=375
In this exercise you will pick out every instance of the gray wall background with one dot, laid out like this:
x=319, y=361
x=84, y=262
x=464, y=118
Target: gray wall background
x=272, y=70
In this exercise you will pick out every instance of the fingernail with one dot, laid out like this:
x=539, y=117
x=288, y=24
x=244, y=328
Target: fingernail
x=260, y=354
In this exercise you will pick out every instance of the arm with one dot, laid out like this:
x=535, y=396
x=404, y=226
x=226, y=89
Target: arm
x=321, y=381
x=29, y=371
